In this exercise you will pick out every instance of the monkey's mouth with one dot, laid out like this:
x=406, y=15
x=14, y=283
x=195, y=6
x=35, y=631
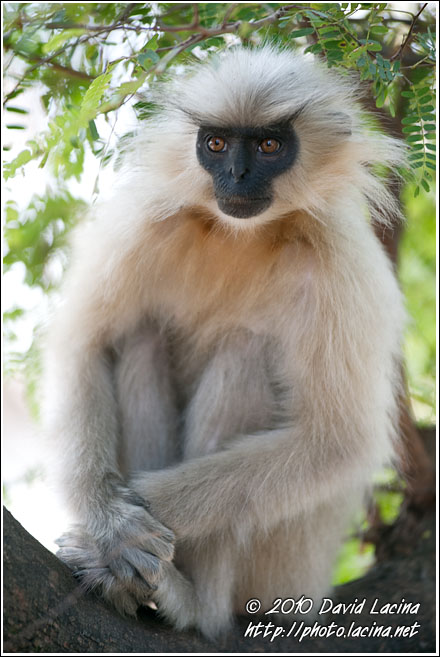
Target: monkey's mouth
x=243, y=208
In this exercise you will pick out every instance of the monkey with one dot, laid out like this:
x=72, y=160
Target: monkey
x=223, y=371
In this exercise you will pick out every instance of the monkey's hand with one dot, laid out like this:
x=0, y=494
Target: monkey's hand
x=124, y=558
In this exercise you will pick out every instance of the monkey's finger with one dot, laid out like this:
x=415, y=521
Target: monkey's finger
x=71, y=539
x=117, y=594
x=122, y=570
x=146, y=564
x=141, y=589
x=78, y=557
x=133, y=498
x=132, y=580
x=158, y=546
x=92, y=578
x=155, y=529
x=104, y=583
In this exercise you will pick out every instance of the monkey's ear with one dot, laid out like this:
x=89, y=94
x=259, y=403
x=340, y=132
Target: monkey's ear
x=339, y=123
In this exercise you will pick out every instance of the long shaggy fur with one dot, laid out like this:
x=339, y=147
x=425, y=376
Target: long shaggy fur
x=234, y=381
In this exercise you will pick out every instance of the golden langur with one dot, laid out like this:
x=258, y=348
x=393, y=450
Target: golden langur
x=223, y=375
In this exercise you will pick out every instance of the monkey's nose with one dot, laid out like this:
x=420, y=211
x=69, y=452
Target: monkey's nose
x=238, y=172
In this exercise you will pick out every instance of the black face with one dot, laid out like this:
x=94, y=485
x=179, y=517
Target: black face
x=243, y=162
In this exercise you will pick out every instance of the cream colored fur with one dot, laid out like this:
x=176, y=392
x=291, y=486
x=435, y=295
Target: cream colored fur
x=234, y=381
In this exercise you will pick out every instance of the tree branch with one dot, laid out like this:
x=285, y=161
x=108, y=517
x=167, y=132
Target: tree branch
x=45, y=611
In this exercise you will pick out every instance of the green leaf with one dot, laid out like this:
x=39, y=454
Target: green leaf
x=93, y=131
x=430, y=165
x=315, y=48
x=380, y=100
x=22, y=158
x=152, y=44
x=127, y=88
x=59, y=39
x=431, y=147
x=411, y=118
x=331, y=44
x=312, y=14
x=379, y=29
x=94, y=94
x=371, y=44
x=408, y=94
x=44, y=160
x=414, y=138
x=413, y=128
x=421, y=92
x=245, y=30
x=147, y=58
x=330, y=34
x=11, y=213
x=425, y=185
x=17, y=110
x=328, y=30
x=15, y=93
x=303, y=32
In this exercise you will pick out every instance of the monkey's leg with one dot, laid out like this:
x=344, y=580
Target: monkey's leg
x=234, y=396
x=293, y=559
x=149, y=441
x=146, y=401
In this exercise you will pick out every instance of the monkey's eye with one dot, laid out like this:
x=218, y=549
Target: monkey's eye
x=269, y=146
x=216, y=144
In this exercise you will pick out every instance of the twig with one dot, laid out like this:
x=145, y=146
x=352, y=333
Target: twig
x=229, y=11
x=408, y=36
x=71, y=72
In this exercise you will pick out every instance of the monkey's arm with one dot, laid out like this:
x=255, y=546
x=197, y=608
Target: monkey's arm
x=117, y=546
x=259, y=481
x=82, y=420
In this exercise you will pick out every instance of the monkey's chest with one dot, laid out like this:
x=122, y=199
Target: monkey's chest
x=206, y=281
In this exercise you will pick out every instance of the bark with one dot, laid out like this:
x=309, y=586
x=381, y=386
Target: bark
x=45, y=611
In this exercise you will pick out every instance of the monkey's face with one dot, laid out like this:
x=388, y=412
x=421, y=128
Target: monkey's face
x=243, y=162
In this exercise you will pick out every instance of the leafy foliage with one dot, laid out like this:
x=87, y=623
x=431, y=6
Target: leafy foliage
x=93, y=58
x=417, y=267
x=38, y=233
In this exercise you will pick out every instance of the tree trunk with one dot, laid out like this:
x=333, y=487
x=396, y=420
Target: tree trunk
x=45, y=611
